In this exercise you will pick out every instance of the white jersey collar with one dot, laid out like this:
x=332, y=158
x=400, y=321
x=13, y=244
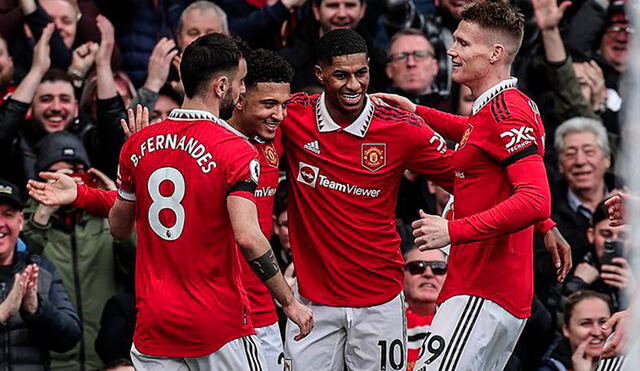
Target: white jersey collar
x=181, y=114
x=358, y=127
x=492, y=92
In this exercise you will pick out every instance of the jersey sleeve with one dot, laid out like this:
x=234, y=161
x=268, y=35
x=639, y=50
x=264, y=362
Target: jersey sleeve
x=447, y=124
x=125, y=180
x=96, y=202
x=242, y=171
x=513, y=136
x=429, y=155
x=530, y=203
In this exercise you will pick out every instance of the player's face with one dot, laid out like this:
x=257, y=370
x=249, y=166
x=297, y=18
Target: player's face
x=423, y=287
x=585, y=325
x=11, y=222
x=197, y=23
x=582, y=161
x=163, y=108
x=601, y=232
x=54, y=105
x=334, y=14
x=614, y=45
x=281, y=229
x=469, y=53
x=345, y=83
x=6, y=64
x=232, y=94
x=412, y=66
x=65, y=18
x=265, y=107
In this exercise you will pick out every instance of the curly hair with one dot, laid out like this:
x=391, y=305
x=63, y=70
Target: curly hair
x=267, y=66
x=497, y=15
x=340, y=42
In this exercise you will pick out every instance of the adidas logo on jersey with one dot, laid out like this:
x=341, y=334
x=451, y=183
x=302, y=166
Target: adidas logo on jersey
x=313, y=146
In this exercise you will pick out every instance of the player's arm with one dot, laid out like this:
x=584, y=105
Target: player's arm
x=122, y=217
x=256, y=249
x=429, y=155
x=449, y=125
x=530, y=203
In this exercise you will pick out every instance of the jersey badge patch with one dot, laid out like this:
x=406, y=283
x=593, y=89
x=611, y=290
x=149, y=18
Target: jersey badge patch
x=465, y=136
x=254, y=169
x=517, y=138
x=270, y=154
x=374, y=156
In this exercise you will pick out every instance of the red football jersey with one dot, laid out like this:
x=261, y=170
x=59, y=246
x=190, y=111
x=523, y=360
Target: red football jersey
x=505, y=126
x=263, y=310
x=189, y=295
x=343, y=184
x=417, y=330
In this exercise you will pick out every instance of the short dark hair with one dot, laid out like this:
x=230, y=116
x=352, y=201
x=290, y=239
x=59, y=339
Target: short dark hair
x=336, y=43
x=497, y=15
x=116, y=363
x=206, y=57
x=577, y=297
x=318, y=2
x=280, y=200
x=55, y=74
x=408, y=32
x=267, y=66
x=601, y=213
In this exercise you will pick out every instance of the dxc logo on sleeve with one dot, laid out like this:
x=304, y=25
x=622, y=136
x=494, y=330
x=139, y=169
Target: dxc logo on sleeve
x=518, y=138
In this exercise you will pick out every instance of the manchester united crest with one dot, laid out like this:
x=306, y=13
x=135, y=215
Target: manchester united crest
x=466, y=135
x=270, y=154
x=374, y=156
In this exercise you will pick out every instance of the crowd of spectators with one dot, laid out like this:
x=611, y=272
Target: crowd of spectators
x=69, y=69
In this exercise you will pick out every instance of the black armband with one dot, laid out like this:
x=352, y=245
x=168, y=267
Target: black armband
x=265, y=266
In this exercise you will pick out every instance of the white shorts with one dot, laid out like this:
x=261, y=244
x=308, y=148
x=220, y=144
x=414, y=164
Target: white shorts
x=362, y=339
x=469, y=333
x=239, y=354
x=271, y=346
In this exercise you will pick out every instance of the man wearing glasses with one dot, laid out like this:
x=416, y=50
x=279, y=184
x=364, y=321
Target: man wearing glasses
x=424, y=274
x=412, y=68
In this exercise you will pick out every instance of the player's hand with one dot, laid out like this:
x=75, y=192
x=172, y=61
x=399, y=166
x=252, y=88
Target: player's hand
x=560, y=252
x=57, y=189
x=587, y=273
x=430, y=231
x=137, y=121
x=104, y=182
x=580, y=359
x=301, y=316
x=617, y=341
x=617, y=274
x=393, y=100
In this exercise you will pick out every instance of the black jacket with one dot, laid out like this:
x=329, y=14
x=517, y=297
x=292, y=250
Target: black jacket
x=26, y=339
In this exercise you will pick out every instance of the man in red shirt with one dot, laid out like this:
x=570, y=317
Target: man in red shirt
x=345, y=159
x=192, y=307
x=488, y=293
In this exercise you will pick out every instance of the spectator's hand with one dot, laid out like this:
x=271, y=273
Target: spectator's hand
x=289, y=4
x=595, y=78
x=137, y=122
x=107, y=41
x=159, y=64
x=586, y=272
x=618, y=208
x=617, y=341
x=580, y=359
x=430, y=231
x=301, y=316
x=548, y=14
x=560, y=252
x=104, y=182
x=30, y=298
x=617, y=274
x=177, y=85
x=393, y=100
x=57, y=189
x=11, y=304
x=28, y=6
x=83, y=58
x=41, y=51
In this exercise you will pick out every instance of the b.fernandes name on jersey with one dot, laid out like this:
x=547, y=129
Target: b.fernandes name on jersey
x=184, y=143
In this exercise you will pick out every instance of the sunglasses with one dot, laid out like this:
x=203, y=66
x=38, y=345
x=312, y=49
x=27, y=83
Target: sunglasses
x=419, y=266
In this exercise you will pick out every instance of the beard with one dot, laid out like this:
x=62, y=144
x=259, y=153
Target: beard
x=227, y=105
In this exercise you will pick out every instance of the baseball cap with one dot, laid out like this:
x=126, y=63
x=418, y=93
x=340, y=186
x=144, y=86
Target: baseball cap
x=10, y=194
x=616, y=13
x=60, y=146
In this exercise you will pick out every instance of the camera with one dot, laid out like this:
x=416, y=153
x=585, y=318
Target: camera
x=612, y=249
